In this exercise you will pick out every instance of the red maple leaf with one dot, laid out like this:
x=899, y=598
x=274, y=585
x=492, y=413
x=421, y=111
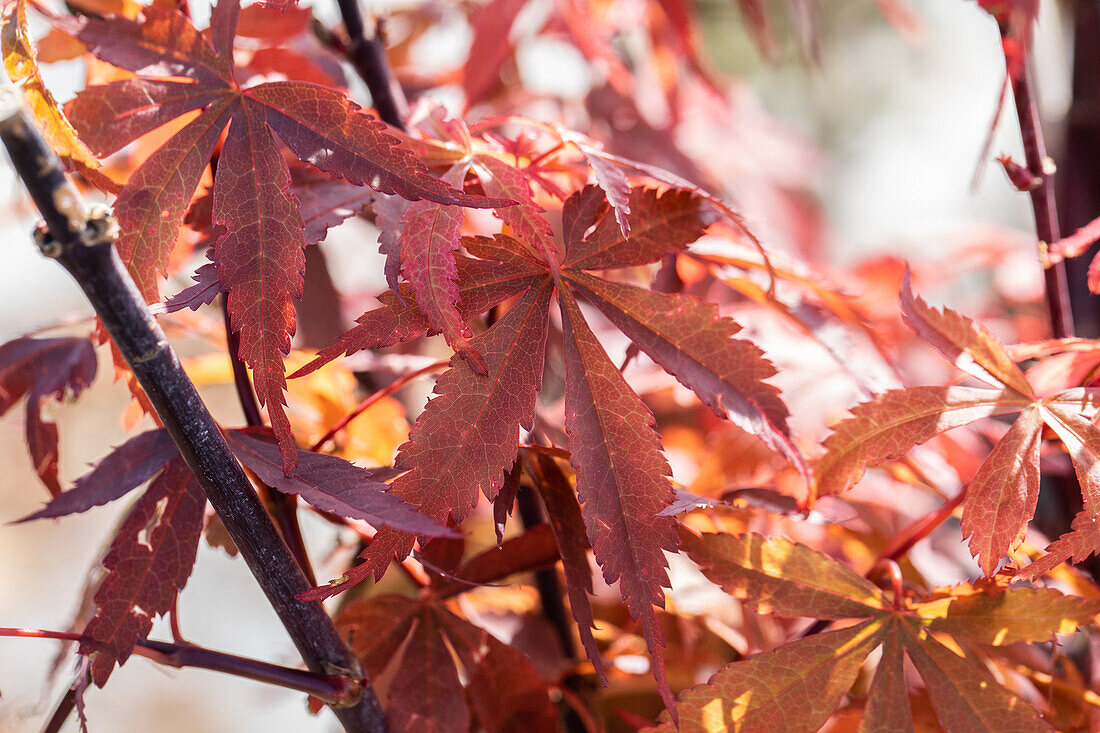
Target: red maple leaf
x=466, y=441
x=258, y=251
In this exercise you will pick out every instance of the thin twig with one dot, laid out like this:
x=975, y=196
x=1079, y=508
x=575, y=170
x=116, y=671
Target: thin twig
x=1043, y=203
x=83, y=243
x=372, y=399
x=333, y=689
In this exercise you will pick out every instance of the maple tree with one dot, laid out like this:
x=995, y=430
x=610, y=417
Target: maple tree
x=603, y=302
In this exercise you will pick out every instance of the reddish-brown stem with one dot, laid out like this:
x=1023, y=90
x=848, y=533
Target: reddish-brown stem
x=283, y=507
x=333, y=689
x=372, y=399
x=1043, y=204
x=918, y=530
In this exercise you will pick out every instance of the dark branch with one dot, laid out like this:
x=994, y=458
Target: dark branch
x=368, y=56
x=83, y=243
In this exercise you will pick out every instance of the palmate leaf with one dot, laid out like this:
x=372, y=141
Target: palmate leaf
x=797, y=686
x=259, y=253
x=467, y=439
x=622, y=475
x=42, y=370
x=149, y=562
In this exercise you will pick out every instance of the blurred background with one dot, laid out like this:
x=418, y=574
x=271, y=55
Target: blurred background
x=884, y=130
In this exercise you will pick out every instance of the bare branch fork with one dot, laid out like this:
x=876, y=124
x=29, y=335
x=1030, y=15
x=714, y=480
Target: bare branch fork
x=82, y=241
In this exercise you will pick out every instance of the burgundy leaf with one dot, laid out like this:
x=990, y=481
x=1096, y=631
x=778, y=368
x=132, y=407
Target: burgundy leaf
x=41, y=370
x=332, y=484
x=690, y=341
x=661, y=224
x=622, y=479
x=122, y=470
x=260, y=260
x=324, y=128
x=148, y=563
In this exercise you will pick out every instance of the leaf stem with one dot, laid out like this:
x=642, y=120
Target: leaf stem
x=372, y=399
x=82, y=242
x=368, y=56
x=333, y=689
x=1043, y=202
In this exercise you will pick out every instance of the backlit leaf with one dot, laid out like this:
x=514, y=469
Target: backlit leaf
x=688, y=338
x=965, y=697
x=467, y=438
x=1016, y=614
x=894, y=422
x=22, y=68
x=888, y=708
x=968, y=345
x=776, y=575
x=793, y=689
x=1082, y=540
x=260, y=260
x=1081, y=437
x=1002, y=495
x=660, y=225
x=622, y=478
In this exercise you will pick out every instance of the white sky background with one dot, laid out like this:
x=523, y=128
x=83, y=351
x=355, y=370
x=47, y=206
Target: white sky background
x=901, y=126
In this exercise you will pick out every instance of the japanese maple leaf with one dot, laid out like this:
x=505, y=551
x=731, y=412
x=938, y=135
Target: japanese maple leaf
x=466, y=440
x=258, y=253
x=1001, y=496
x=41, y=370
x=446, y=671
x=148, y=563
x=797, y=686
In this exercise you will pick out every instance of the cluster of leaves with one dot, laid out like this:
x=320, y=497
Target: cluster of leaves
x=211, y=152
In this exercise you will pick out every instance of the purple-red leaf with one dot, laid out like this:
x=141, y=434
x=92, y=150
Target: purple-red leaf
x=325, y=128
x=661, y=224
x=40, y=370
x=332, y=484
x=122, y=470
x=690, y=341
x=148, y=563
x=260, y=260
x=622, y=478
x=467, y=439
